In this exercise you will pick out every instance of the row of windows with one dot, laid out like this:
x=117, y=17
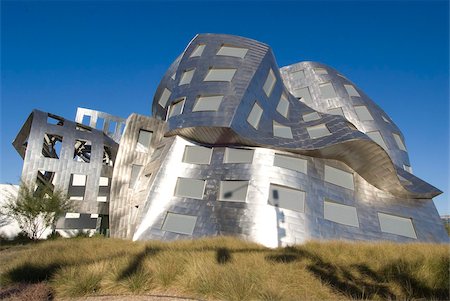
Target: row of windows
x=52, y=144
x=212, y=102
x=111, y=127
x=77, y=187
x=225, y=50
x=213, y=75
x=300, y=74
x=335, y=212
x=328, y=91
x=363, y=114
x=202, y=155
x=72, y=215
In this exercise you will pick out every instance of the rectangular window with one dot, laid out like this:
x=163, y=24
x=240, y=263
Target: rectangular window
x=286, y=197
x=45, y=177
x=320, y=71
x=86, y=120
x=303, y=95
x=336, y=111
x=198, y=50
x=179, y=223
x=339, y=177
x=397, y=225
x=327, y=90
x=190, y=188
x=112, y=127
x=290, y=162
x=399, y=142
x=232, y=51
x=283, y=106
x=220, y=75
x=235, y=191
x=311, y=116
x=351, y=90
x=340, y=213
x=255, y=115
x=104, y=182
x=51, y=148
x=363, y=113
x=176, y=108
x=135, y=170
x=102, y=199
x=298, y=75
x=100, y=123
x=207, y=103
x=197, y=154
x=186, y=77
x=282, y=131
x=270, y=83
x=143, y=142
x=237, y=155
x=318, y=131
x=165, y=95
x=376, y=136
x=77, y=187
x=82, y=151
x=78, y=180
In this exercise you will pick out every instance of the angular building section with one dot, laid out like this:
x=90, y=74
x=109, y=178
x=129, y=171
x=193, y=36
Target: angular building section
x=72, y=157
x=237, y=146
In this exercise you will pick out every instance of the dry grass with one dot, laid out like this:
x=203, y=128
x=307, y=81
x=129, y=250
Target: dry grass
x=230, y=269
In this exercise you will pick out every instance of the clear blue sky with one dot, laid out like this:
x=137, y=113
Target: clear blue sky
x=110, y=56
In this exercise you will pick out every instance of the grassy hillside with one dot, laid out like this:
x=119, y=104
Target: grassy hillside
x=231, y=269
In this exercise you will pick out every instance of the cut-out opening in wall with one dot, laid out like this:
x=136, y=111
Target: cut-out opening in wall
x=121, y=127
x=51, y=147
x=100, y=124
x=45, y=181
x=77, y=187
x=107, y=156
x=86, y=120
x=53, y=119
x=82, y=151
x=112, y=127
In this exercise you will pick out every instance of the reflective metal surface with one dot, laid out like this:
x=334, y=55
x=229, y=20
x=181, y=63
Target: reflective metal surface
x=226, y=92
x=56, y=168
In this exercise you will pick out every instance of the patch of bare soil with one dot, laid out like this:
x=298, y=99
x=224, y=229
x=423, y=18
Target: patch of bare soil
x=27, y=292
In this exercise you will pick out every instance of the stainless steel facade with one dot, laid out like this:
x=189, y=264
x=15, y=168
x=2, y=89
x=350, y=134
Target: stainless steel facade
x=71, y=157
x=237, y=146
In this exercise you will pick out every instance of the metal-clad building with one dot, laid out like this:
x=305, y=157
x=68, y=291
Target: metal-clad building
x=237, y=146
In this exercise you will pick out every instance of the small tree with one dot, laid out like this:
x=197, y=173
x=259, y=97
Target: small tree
x=36, y=210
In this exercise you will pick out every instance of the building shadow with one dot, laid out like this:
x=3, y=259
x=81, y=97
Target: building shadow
x=355, y=281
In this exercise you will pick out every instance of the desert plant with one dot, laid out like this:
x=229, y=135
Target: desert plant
x=35, y=210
